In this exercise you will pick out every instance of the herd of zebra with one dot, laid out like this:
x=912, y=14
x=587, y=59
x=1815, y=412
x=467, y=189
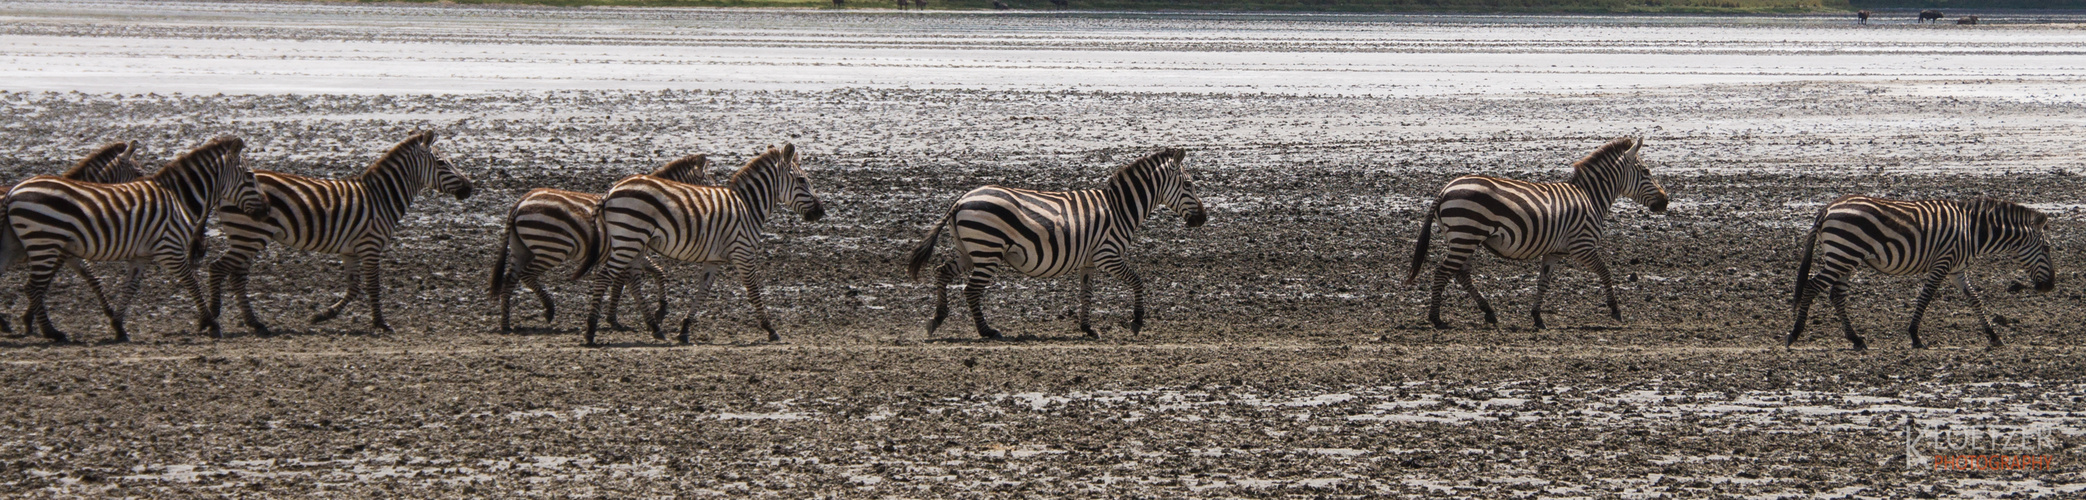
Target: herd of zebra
x=105, y=209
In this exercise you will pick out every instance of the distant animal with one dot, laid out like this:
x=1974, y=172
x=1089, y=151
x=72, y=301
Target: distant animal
x=354, y=217
x=711, y=225
x=1934, y=238
x=160, y=217
x=1062, y=4
x=1863, y=15
x=999, y=5
x=1045, y=234
x=1929, y=15
x=548, y=227
x=1521, y=220
x=112, y=163
x=838, y=4
x=1966, y=20
x=902, y=4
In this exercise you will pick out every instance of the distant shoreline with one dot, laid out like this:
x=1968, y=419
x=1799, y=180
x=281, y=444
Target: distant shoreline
x=1473, y=7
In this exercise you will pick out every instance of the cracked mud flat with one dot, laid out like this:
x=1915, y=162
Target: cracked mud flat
x=1283, y=357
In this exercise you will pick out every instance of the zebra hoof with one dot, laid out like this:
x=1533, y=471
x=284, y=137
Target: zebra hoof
x=614, y=326
x=683, y=338
x=989, y=333
x=1089, y=331
x=772, y=337
x=1440, y=325
x=324, y=316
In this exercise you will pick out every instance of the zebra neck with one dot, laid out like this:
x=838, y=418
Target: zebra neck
x=759, y=200
x=1130, y=201
x=393, y=185
x=195, y=189
x=1602, y=191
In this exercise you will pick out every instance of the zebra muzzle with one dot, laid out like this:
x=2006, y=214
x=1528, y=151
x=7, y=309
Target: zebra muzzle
x=1197, y=218
x=816, y=212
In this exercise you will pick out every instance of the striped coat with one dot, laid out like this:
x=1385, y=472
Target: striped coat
x=1046, y=234
x=548, y=227
x=1936, y=239
x=354, y=217
x=112, y=163
x=712, y=225
x=1521, y=220
x=160, y=217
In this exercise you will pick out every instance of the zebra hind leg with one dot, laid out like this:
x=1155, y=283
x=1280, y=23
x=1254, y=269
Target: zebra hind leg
x=1484, y=306
x=974, y=296
x=353, y=292
x=943, y=276
x=1927, y=291
x=1838, y=295
x=230, y=271
x=1970, y=293
x=37, y=317
x=550, y=306
x=615, y=299
x=107, y=308
x=1802, y=306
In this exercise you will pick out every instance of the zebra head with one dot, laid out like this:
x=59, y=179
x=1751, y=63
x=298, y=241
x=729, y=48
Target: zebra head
x=691, y=169
x=1180, y=194
x=446, y=178
x=1620, y=162
x=235, y=180
x=2017, y=230
x=775, y=174
x=802, y=199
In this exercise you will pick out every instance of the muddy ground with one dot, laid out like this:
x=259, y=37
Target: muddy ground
x=1283, y=356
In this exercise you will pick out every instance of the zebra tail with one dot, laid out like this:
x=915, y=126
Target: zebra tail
x=502, y=279
x=11, y=249
x=1419, y=252
x=1803, y=268
x=597, y=249
x=925, y=249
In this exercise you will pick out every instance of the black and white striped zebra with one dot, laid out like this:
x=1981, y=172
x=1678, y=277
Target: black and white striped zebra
x=161, y=217
x=1046, y=234
x=1934, y=238
x=1521, y=220
x=710, y=225
x=548, y=227
x=112, y=163
x=353, y=217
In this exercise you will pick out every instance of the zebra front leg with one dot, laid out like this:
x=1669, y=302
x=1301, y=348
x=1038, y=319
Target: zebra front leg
x=943, y=276
x=1592, y=262
x=1970, y=292
x=353, y=292
x=231, y=269
x=187, y=269
x=974, y=296
x=373, y=284
x=1122, y=271
x=1086, y=302
x=702, y=295
x=94, y=284
x=750, y=278
x=1542, y=288
x=1927, y=291
x=133, y=285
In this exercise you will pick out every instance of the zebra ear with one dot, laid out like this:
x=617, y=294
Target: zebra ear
x=789, y=150
x=425, y=137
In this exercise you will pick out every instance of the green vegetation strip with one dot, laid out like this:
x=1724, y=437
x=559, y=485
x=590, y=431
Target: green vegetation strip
x=1517, y=6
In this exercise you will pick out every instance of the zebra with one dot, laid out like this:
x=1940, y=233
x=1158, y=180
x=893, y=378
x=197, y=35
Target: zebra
x=112, y=163
x=550, y=226
x=1937, y=238
x=1045, y=234
x=353, y=217
x=1521, y=220
x=160, y=217
x=711, y=225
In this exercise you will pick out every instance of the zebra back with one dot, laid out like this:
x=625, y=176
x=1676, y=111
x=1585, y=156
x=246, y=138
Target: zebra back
x=691, y=169
x=111, y=164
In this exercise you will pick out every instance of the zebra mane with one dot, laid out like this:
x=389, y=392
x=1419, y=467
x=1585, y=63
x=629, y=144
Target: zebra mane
x=772, y=157
x=1607, y=154
x=216, y=148
x=688, y=169
x=1175, y=155
x=423, y=139
x=2006, y=210
x=101, y=165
